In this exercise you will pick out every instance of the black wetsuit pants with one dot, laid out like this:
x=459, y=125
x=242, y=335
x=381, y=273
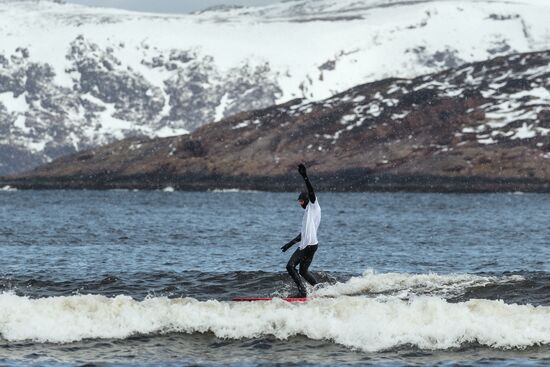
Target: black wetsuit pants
x=304, y=258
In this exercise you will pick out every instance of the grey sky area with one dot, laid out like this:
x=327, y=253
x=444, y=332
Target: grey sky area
x=168, y=6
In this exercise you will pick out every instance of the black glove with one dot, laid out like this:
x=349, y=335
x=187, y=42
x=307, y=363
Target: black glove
x=287, y=246
x=302, y=170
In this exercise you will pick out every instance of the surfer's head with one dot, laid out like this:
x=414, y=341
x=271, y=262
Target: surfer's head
x=303, y=199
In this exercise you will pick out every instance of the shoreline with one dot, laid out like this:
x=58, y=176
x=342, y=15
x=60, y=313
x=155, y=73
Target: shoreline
x=348, y=181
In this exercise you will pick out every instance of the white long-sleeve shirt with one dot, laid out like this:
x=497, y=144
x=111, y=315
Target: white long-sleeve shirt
x=310, y=224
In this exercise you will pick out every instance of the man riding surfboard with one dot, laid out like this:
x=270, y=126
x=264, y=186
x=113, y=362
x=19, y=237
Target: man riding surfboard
x=307, y=238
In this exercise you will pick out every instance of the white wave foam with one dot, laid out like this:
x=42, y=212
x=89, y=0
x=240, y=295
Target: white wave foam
x=404, y=284
x=8, y=188
x=234, y=190
x=358, y=322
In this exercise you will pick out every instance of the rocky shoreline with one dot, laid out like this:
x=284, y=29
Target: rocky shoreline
x=348, y=181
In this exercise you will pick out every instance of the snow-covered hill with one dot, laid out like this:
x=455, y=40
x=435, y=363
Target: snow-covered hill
x=73, y=77
x=483, y=126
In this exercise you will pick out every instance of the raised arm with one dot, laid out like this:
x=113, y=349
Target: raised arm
x=303, y=173
x=291, y=243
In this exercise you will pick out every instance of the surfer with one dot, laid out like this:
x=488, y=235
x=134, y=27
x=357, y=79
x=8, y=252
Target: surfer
x=307, y=237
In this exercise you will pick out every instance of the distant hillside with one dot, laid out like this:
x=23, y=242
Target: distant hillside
x=481, y=127
x=74, y=77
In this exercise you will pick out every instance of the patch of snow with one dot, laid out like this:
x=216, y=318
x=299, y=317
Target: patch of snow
x=135, y=146
x=398, y=116
x=486, y=141
x=220, y=109
x=487, y=93
x=347, y=119
x=497, y=85
x=167, y=131
x=393, y=89
x=37, y=146
x=241, y=125
x=391, y=102
x=346, y=98
x=374, y=109
x=21, y=125
x=539, y=92
x=14, y=104
x=524, y=132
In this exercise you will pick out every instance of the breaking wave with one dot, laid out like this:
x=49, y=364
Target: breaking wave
x=404, y=285
x=364, y=323
x=526, y=288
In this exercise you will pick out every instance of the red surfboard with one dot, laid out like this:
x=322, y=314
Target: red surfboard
x=288, y=299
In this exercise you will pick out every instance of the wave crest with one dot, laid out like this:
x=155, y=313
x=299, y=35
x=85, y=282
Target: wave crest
x=404, y=285
x=364, y=323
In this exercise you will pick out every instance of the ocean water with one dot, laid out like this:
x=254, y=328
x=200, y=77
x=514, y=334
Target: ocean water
x=146, y=278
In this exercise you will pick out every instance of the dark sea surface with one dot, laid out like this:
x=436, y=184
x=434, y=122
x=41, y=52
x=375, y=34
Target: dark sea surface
x=146, y=278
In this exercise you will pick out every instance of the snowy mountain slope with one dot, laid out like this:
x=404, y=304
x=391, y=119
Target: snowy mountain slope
x=73, y=77
x=482, y=126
